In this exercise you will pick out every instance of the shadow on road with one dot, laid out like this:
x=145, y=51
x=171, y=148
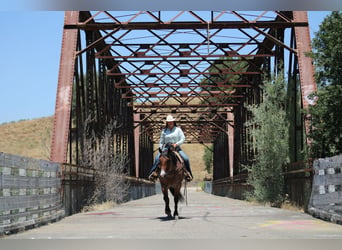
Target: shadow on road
x=167, y=218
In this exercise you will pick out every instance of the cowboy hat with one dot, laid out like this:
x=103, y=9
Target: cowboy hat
x=170, y=118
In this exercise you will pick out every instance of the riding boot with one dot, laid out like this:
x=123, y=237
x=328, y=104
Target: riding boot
x=188, y=176
x=154, y=175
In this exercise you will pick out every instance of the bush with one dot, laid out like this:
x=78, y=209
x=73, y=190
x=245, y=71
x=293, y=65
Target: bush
x=269, y=130
x=110, y=183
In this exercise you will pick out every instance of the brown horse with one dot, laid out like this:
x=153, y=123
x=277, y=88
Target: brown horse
x=171, y=177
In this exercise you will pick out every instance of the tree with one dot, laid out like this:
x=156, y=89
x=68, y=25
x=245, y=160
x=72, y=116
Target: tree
x=208, y=159
x=326, y=120
x=221, y=72
x=327, y=50
x=269, y=129
x=326, y=114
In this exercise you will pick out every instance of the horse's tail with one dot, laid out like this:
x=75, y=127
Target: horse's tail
x=180, y=196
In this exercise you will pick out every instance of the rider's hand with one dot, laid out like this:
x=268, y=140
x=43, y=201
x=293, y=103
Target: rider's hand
x=174, y=145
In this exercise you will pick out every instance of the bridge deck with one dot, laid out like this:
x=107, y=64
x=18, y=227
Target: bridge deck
x=205, y=216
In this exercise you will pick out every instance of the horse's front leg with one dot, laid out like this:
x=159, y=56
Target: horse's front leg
x=176, y=199
x=167, y=201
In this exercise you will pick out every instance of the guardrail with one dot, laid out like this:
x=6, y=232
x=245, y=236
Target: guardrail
x=298, y=182
x=232, y=187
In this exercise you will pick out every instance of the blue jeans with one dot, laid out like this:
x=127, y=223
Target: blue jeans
x=182, y=154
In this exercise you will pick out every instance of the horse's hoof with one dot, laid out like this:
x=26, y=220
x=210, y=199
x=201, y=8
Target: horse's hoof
x=176, y=217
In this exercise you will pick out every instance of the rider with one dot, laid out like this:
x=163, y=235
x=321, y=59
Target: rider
x=171, y=134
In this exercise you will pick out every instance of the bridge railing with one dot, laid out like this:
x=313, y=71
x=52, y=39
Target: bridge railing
x=78, y=185
x=297, y=177
x=298, y=183
x=233, y=187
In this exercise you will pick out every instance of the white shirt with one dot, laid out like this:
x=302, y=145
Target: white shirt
x=175, y=135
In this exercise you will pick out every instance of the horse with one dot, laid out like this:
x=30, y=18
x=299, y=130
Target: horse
x=171, y=177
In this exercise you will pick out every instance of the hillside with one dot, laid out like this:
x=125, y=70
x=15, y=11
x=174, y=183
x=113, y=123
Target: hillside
x=31, y=138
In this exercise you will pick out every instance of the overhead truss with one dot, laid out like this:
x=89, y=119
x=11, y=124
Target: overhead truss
x=201, y=66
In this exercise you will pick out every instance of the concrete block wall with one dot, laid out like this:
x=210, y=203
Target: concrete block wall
x=326, y=196
x=35, y=192
x=29, y=192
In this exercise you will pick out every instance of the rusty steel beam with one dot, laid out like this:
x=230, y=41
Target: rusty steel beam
x=188, y=25
x=305, y=64
x=60, y=134
x=204, y=81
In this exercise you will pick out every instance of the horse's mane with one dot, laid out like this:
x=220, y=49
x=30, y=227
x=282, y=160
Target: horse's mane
x=169, y=151
x=173, y=157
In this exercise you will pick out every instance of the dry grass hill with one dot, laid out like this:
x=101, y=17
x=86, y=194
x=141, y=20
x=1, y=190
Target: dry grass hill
x=32, y=138
x=29, y=138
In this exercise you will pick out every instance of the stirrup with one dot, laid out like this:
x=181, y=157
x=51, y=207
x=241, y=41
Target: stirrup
x=153, y=176
x=188, y=176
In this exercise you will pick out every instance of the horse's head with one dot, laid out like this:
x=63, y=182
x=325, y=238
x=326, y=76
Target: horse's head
x=167, y=159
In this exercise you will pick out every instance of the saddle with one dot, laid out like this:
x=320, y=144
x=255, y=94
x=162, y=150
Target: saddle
x=181, y=160
x=179, y=157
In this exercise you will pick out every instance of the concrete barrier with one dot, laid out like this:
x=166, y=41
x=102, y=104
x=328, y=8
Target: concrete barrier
x=326, y=196
x=35, y=192
x=208, y=187
x=29, y=192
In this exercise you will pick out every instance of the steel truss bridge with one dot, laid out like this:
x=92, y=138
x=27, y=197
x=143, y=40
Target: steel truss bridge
x=134, y=68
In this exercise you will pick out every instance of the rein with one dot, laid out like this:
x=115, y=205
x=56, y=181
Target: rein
x=185, y=193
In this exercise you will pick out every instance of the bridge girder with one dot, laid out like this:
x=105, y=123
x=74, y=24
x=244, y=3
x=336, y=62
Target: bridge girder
x=202, y=67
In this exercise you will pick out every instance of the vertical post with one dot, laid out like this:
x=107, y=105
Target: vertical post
x=59, y=144
x=231, y=144
x=306, y=69
x=136, y=143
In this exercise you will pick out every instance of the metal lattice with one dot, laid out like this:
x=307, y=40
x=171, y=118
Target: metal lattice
x=136, y=67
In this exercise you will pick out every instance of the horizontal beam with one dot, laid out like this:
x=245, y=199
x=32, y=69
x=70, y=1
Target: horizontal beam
x=179, y=73
x=184, y=25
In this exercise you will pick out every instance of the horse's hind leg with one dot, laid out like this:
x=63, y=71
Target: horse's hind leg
x=167, y=201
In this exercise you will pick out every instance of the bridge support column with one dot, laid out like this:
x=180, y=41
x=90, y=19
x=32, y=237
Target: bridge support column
x=230, y=128
x=136, y=143
x=305, y=65
x=59, y=144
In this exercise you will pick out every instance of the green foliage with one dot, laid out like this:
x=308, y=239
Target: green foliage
x=208, y=158
x=269, y=129
x=327, y=50
x=222, y=72
x=326, y=114
x=326, y=120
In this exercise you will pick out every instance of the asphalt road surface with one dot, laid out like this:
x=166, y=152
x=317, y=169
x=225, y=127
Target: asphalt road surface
x=204, y=216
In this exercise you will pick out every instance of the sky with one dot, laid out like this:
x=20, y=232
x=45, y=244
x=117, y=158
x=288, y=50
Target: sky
x=30, y=48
